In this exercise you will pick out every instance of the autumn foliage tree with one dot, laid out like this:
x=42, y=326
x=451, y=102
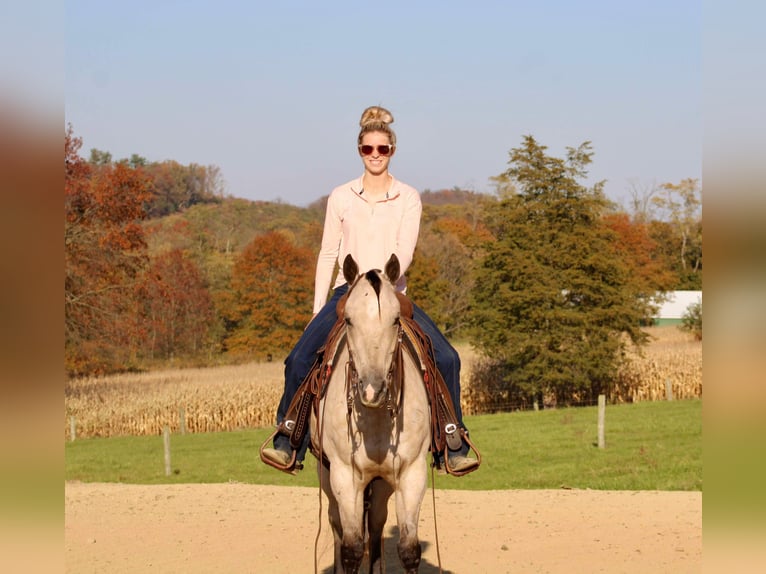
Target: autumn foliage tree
x=441, y=276
x=176, y=310
x=673, y=216
x=270, y=299
x=543, y=270
x=172, y=186
x=175, y=187
x=639, y=251
x=105, y=251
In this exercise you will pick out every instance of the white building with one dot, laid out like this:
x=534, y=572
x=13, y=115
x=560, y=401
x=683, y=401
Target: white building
x=675, y=307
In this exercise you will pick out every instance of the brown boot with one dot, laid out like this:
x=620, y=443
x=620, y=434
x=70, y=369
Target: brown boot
x=277, y=456
x=461, y=463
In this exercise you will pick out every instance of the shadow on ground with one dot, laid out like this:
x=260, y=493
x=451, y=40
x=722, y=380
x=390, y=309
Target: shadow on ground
x=391, y=558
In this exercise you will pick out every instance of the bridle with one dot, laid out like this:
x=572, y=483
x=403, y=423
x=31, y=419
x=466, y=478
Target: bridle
x=394, y=378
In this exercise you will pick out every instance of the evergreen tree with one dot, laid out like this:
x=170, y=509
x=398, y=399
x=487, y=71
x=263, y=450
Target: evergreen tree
x=552, y=299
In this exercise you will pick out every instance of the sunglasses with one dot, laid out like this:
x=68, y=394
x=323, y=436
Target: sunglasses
x=382, y=149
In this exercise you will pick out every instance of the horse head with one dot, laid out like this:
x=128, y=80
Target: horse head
x=371, y=314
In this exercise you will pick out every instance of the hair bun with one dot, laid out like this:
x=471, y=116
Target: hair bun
x=376, y=115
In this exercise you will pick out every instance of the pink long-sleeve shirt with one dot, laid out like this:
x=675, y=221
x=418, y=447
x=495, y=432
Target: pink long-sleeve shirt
x=369, y=231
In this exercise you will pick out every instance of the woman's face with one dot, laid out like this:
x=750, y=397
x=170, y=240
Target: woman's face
x=376, y=162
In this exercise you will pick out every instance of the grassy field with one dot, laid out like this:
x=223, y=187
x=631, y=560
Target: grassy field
x=649, y=446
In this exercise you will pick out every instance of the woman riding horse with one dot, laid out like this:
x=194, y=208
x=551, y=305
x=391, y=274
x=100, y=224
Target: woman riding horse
x=369, y=218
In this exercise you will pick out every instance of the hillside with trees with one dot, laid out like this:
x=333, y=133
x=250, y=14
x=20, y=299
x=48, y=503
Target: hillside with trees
x=163, y=268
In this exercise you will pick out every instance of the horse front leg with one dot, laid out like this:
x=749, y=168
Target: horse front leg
x=350, y=500
x=333, y=515
x=409, y=497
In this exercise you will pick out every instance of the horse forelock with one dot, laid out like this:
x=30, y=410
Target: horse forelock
x=373, y=278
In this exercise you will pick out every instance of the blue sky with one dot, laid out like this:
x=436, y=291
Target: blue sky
x=271, y=92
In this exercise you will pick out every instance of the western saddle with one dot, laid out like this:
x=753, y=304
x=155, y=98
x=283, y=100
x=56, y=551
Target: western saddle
x=446, y=432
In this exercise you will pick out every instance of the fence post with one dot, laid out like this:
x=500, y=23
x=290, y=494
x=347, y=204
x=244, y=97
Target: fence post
x=166, y=442
x=72, y=428
x=668, y=389
x=601, y=413
x=182, y=417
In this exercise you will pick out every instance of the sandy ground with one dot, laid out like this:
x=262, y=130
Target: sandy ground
x=240, y=528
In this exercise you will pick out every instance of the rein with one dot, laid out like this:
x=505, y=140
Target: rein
x=394, y=380
x=308, y=401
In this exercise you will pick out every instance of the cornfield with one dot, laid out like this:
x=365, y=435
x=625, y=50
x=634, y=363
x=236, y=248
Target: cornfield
x=674, y=358
x=672, y=361
x=208, y=400
x=246, y=396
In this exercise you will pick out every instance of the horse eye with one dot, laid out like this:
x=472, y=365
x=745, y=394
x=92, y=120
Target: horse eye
x=347, y=320
x=396, y=321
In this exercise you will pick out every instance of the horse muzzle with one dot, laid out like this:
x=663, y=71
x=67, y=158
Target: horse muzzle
x=372, y=396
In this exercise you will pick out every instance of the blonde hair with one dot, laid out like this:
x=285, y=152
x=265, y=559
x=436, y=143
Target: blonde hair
x=376, y=119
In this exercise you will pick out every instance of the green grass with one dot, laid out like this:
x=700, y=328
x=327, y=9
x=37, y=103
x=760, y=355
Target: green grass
x=649, y=446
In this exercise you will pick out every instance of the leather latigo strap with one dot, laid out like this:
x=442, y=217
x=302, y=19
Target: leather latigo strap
x=444, y=424
x=445, y=429
x=296, y=421
x=301, y=418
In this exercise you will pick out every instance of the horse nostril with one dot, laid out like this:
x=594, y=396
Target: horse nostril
x=371, y=394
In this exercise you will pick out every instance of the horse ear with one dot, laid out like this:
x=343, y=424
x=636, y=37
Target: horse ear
x=392, y=268
x=350, y=269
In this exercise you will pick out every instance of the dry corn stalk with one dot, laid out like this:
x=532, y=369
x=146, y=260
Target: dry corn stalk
x=213, y=399
x=246, y=396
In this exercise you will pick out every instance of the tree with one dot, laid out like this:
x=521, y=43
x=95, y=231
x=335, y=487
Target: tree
x=425, y=284
x=640, y=252
x=681, y=205
x=673, y=216
x=98, y=157
x=176, y=187
x=553, y=298
x=692, y=320
x=441, y=277
x=176, y=310
x=269, y=305
x=214, y=182
x=642, y=201
x=104, y=250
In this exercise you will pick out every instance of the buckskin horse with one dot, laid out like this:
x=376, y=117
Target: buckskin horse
x=371, y=431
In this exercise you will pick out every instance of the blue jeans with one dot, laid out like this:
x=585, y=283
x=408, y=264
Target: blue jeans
x=447, y=358
x=298, y=363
